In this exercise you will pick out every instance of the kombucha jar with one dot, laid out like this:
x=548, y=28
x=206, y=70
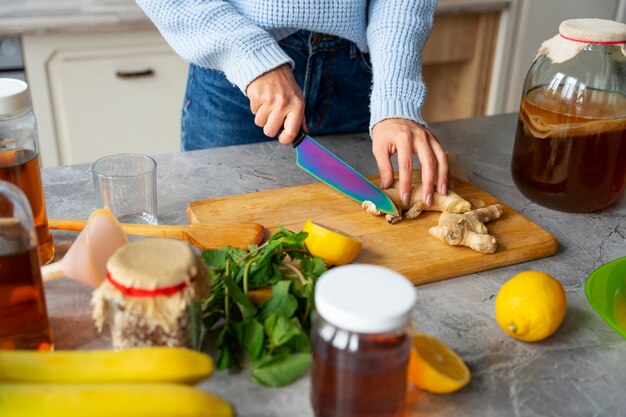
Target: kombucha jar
x=361, y=342
x=23, y=315
x=570, y=143
x=19, y=156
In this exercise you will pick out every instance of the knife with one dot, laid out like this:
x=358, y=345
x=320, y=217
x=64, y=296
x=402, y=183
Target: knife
x=329, y=169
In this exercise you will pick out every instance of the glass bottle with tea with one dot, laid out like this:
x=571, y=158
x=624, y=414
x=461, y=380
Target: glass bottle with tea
x=570, y=144
x=23, y=316
x=19, y=156
x=361, y=342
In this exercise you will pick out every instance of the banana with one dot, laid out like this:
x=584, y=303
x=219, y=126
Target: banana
x=106, y=400
x=153, y=364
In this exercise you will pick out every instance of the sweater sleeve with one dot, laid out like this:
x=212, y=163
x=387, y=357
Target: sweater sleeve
x=396, y=33
x=212, y=34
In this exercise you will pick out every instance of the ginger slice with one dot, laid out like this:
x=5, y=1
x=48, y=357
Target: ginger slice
x=452, y=203
x=468, y=228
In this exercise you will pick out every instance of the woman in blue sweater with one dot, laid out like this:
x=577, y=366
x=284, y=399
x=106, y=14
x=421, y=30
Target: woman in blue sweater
x=329, y=66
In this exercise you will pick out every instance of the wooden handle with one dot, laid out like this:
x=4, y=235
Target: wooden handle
x=63, y=224
x=172, y=231
x=203, y=235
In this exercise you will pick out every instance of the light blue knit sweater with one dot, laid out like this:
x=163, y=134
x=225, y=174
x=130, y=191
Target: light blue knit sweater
x=239, y=38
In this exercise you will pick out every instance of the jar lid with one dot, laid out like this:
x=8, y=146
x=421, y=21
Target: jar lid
x=593, y=31
x=151, y=264
x=13, y=96
x=575, y=34
x=364, y=298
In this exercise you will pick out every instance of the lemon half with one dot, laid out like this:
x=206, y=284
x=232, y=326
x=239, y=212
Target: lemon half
x=434, y=367
x=333, y=246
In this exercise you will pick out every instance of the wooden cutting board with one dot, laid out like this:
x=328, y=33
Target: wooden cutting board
x=405, y=247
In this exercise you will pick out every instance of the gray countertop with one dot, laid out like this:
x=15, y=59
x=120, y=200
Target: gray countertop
x=18, y=17
x=578, y=372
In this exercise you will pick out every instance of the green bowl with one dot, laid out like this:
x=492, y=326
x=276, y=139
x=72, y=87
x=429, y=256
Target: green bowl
x=606, y=292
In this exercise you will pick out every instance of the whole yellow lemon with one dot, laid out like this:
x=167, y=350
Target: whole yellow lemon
x=531, y=306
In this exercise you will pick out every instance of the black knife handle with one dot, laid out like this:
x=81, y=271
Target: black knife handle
x=298, y=139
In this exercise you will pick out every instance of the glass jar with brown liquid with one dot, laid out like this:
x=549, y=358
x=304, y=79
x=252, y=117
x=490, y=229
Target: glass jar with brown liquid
x=361, y=342
x=19, y=156
x=570, y=143
x=23, y=316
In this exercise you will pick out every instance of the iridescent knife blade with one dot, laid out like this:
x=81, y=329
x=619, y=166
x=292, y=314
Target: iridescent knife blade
x=329, y=169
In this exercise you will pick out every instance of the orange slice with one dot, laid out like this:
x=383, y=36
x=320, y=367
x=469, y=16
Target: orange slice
x=434, y=367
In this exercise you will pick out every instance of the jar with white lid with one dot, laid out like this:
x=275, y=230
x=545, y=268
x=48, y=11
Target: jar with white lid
x=361, y=342
x=19, y=156
x=152, y=295
x=570, y=144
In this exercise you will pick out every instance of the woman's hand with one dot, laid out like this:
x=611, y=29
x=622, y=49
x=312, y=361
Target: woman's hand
x=406, y=138
x=277, y=103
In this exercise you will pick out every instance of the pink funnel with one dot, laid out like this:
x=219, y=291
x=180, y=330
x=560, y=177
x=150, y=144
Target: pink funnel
x=85, y=261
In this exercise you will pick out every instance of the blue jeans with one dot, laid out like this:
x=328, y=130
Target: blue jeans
x=335, y=78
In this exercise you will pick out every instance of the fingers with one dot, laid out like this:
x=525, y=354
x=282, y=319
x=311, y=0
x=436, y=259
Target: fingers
x=274, y=123
x=383, y=161
x=428, y=163
x=261, y=116
x=405, y=166
x=292, y=125
x=407, y=138
x=442, y=167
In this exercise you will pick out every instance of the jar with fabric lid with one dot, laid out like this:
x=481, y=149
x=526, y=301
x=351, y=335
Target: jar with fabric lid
x=19, y=156
x=361, y=337
x=152, y=295
x=570, y=144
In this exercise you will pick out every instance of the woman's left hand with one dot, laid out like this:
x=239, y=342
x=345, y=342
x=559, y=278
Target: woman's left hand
x=406, y=138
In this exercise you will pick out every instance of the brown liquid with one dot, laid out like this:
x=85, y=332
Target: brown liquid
x=21, y=167
x=368, y=382
x=23, y=316
x=571, y=162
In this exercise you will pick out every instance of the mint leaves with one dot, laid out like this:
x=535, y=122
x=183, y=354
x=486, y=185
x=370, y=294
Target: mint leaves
x=272, y=338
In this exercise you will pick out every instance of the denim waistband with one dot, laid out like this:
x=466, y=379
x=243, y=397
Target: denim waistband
x=313, y=42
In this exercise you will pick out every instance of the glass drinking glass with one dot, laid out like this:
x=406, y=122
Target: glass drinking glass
x=126, y=185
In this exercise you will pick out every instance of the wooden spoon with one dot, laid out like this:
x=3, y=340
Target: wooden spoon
x=203, y=235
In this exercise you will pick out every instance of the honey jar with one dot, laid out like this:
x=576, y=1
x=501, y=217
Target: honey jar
x=570, y=144
x=361, y=342
x=152, y=295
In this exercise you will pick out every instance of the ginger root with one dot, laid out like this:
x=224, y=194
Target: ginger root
x=468, y=228
x=452, y=203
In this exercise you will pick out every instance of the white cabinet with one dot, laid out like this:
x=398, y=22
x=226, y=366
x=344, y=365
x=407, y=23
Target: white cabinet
x=100, y=94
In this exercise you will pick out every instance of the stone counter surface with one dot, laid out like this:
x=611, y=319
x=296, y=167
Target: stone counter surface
x=578, y=372
x=18, y=17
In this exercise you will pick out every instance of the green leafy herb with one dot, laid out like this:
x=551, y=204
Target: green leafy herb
x=273, y=338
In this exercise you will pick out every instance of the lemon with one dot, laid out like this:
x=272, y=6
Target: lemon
x=531, y=306
x=435, y=367
x=334, y=247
